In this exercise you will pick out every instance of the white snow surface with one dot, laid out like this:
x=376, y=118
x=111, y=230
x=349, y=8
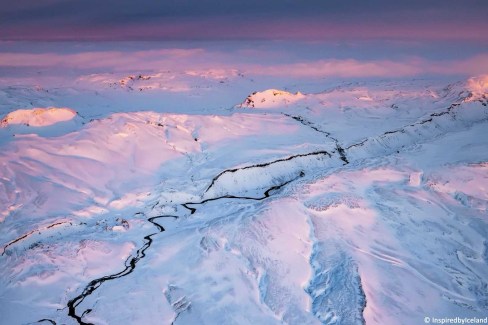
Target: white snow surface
x=362, y=203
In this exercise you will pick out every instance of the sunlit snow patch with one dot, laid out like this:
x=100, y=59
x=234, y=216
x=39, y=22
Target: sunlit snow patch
x=271, y=98
x=478, y=86
x=38, y=116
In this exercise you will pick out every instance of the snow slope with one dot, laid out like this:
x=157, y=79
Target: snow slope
x=363, y=203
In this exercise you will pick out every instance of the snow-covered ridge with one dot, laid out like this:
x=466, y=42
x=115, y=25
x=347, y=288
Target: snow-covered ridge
x=138, y=82
x=162, y=81
x=38, y=116
x=248, y=181
x=270, y=98
x=456, y=117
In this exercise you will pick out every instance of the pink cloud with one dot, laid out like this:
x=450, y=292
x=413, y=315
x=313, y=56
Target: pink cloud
x=377, y=68
x=104, y=59
x=181, y=60
x=340, y=68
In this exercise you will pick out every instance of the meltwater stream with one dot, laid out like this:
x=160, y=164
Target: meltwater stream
x=130, y=265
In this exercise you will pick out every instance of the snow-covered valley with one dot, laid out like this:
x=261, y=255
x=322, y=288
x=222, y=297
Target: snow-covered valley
x=364, y=202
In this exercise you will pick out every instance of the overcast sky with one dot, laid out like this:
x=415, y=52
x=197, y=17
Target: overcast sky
x=236, y=19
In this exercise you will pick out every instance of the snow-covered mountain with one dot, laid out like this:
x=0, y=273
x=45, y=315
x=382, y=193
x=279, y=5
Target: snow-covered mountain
x=363, y=203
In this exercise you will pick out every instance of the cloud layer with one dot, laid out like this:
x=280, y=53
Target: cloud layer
x=257, y=62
